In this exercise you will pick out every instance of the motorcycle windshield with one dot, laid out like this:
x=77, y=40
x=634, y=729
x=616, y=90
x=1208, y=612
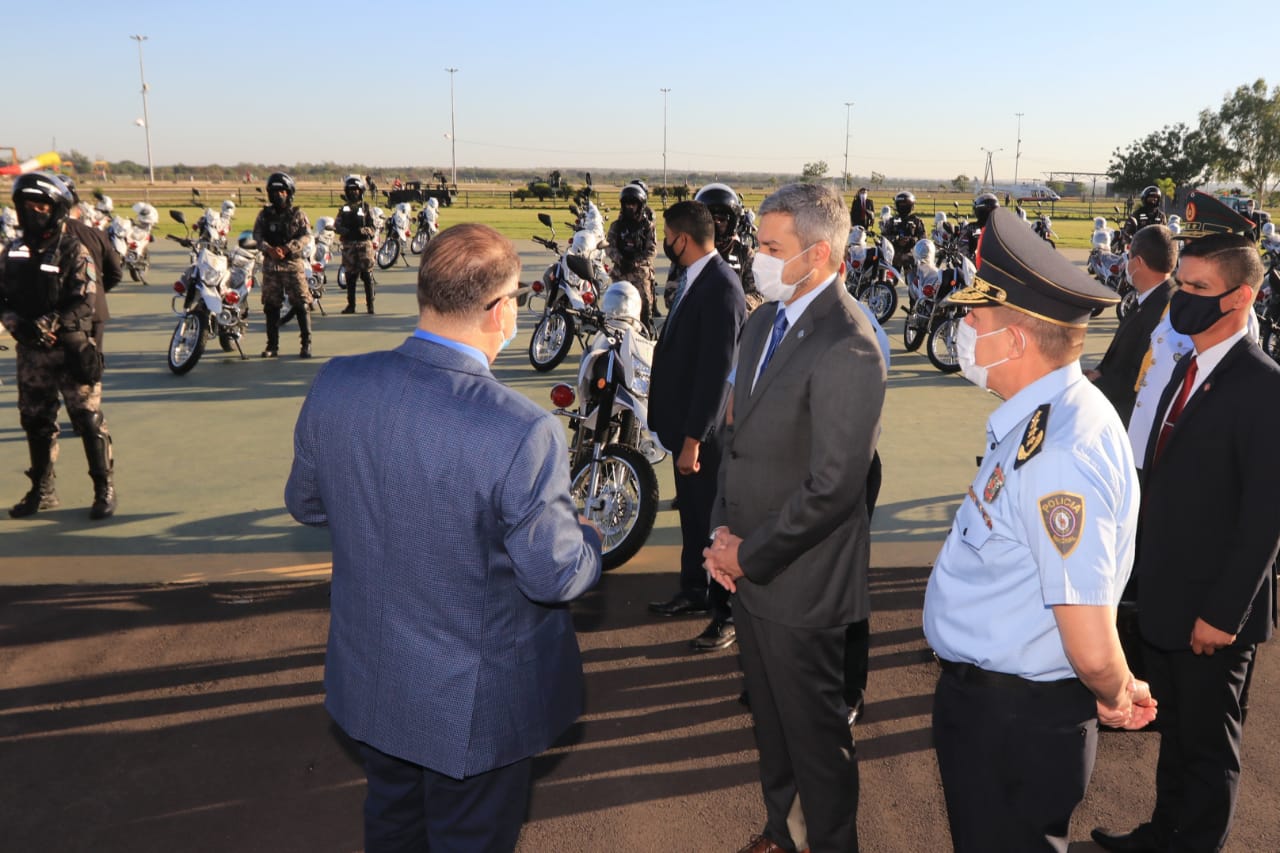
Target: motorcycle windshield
x=211, y=266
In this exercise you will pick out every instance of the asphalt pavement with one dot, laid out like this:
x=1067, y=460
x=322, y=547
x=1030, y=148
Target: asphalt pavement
x=161, y=670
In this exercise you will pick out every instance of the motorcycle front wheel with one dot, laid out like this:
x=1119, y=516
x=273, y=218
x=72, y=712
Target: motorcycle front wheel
x=187, y=344
x=388, y=252
x=942, y=345
x=624, y=504
x=912, y=335
x=551, y=340
x=882, y=298
x=420, y=241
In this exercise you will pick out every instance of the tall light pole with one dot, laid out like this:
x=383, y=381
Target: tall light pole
x=453, y=130
x=146, y=117
x=664, y=147
x=1018, y=155
x=848, y=107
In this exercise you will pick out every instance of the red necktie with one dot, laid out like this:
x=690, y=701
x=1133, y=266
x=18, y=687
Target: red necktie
x=1188, y=382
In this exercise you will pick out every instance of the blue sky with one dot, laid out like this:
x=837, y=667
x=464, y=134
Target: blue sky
x=754, y=86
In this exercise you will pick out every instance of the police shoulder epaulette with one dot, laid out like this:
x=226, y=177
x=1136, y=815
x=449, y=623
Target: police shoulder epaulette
x=1033, y=438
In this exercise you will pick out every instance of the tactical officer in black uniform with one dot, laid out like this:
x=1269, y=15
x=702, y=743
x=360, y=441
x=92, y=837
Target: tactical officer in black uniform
x=280, y=230
x=726, y=210
x=631, y=245
x=354, y=227
x=904, y=229
x=1147, y=213
x=972, y=231
x=47, y=288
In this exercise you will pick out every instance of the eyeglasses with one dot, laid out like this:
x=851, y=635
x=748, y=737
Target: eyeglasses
x=512, y=295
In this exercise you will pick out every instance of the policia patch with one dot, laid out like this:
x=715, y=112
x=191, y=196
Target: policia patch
x=1063, y=517
x=1033, y=438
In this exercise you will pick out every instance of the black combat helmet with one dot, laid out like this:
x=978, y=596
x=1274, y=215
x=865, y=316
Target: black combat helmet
x=1151, y=197
x=46, y=188
x=905, y=203
x=725, y=207
x=633, y=192
x=353, y=188
x=279, y=182
x=982, y=207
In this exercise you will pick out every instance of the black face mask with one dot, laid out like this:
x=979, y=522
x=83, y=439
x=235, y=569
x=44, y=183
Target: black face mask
x=1190, y=314
x=279, y=200
x=669, y=249
x=33, y=224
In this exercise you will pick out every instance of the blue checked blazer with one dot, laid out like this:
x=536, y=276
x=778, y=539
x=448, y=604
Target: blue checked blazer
x=455, y=545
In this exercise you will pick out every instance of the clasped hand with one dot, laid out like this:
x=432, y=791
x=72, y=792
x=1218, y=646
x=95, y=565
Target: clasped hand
x=1137, y=711
x=720, y=559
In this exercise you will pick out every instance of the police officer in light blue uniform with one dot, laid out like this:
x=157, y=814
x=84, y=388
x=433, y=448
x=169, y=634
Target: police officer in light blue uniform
x=1020, y=607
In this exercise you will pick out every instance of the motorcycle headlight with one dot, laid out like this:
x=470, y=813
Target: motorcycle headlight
x=641, y=383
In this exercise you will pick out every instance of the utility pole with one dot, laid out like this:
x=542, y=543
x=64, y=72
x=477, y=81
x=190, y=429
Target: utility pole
x=1018, y=155
x=146, y=117
x=664, y=147
x=453, y=129
x=848, y=107
x=989, y=171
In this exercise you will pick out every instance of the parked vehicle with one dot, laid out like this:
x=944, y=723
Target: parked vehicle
x=612, y=451
x=870, y=275
x=396, y=237
x=132, y=238
x=562, y=296
x=428, y=226
x=211, y=298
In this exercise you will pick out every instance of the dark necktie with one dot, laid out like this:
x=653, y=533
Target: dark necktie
x=779, y=329
x=682, y=286
x=1166, y=430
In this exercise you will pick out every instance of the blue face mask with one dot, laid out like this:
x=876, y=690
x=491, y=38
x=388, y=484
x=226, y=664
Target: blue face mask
x=514, y=326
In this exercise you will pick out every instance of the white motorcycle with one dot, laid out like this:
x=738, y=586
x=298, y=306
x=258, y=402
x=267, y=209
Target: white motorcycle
x=212, y=297
x=870, y=275
x=397, y=237
x=1108, y=268
x=428, y=226
x=132, y=239
x=8, y=227
x=565, y=297
x=612, y=452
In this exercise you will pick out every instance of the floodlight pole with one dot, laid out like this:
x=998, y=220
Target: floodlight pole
x=1017, y=156
x=146, y=117
x=848, y=107
x=664, y=92
x=453, y=130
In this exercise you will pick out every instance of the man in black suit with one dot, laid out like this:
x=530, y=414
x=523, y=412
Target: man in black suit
x=687, y=392
x=1152, y=256
x=791, y=534
x=1208, y=535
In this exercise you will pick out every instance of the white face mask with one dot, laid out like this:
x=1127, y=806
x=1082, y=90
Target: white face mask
x=967, y=338
x=768, y=273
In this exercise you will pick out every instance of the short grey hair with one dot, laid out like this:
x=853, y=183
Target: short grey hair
x=819, y=212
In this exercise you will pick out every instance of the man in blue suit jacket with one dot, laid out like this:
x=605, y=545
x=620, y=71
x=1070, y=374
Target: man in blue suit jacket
x=451, y=660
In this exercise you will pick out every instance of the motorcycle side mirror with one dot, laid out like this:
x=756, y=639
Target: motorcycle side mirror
x=956, y=205
x=579, y=266
x=545, y=219
x=1116, y=208
x=176, y=216
x=573, y=208
x=98, y=195
x=246, y=241
x=588, y=179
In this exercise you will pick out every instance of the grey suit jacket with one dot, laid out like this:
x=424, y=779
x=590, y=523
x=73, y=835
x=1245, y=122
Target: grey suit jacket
x=794, y=471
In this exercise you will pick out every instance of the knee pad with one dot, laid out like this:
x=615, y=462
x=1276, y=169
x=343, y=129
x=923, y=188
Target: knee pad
x=87, y=422
x=38, y=427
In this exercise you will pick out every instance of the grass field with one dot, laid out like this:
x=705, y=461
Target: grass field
x=493, y=205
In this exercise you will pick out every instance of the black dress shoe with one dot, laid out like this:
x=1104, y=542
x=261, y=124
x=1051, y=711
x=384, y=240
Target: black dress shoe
x=681, y=605
x=718, y=635
x=1141, y=840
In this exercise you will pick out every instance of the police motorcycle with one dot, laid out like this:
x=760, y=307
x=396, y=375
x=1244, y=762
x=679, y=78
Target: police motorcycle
x=565, y=298
x=212, y=297
x=132, y=239
x=611, y=450
x=1267, y=304
x=8, y=227
x=1044, y=229
x=99, y=214
x=428, y=226
x=870, y=275
x=748, y=230
x=317, y=252
x=1108, y=267
x=397, y=239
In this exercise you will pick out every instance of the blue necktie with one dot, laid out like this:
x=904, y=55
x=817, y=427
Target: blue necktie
x=682, y=285
x=779, y=329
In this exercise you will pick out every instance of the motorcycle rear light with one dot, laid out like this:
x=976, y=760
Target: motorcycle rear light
x=317, y=267
x=856, y=264
x=179, y=287
x=589, y=297
x=537, y=287
x=929, y=290
x=133, y=245
x=232, y=297
x=562, y=396
x=1115, y=268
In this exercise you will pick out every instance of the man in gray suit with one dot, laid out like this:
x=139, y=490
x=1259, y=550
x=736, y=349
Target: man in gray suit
x=451, y=660
x=790, y=533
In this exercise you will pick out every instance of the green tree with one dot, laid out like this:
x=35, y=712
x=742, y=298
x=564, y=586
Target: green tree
x=1175, y=152
x=960, y=183
x=1243, y=136
x=814, y=171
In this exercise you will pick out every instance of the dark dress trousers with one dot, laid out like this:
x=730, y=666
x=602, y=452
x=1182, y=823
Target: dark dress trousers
x=1208, y=536
x=687, y=394
x=1123, y=360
